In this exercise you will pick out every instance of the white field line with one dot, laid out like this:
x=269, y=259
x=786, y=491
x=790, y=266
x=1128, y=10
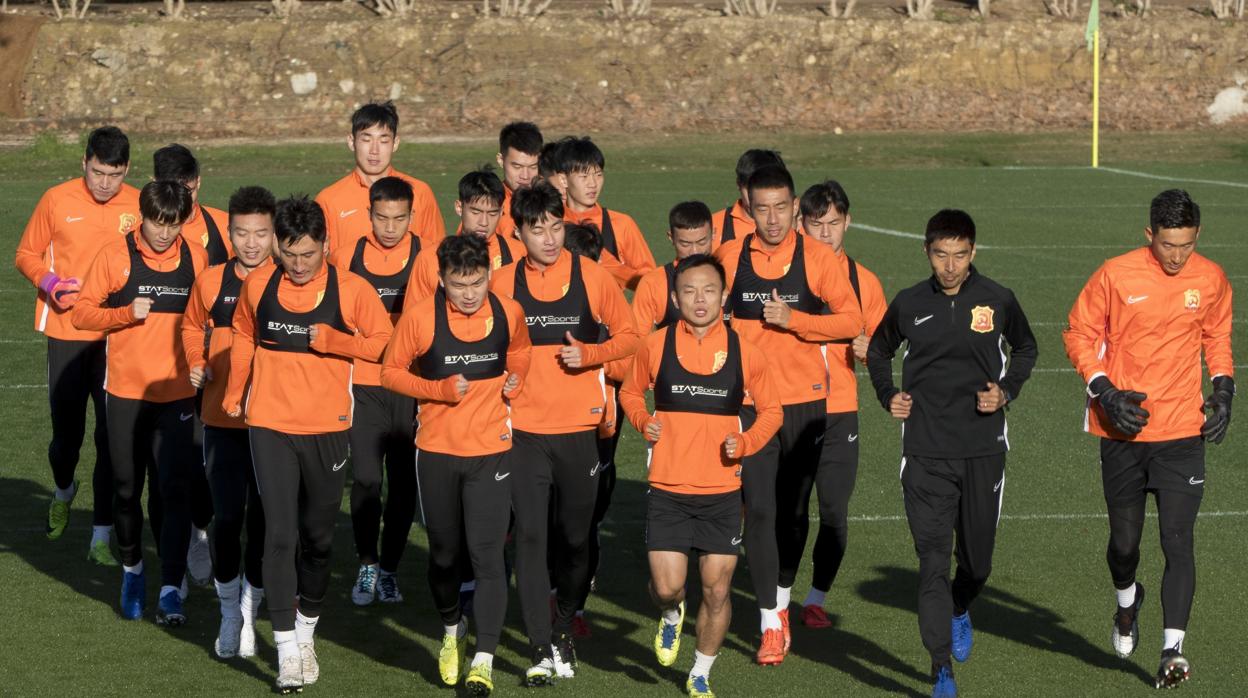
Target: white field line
x=1146, y=175
x=1008, y=248
x=888, y=518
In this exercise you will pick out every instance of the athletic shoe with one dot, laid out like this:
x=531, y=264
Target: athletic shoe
x=1174, y=670
x=580, y=628
x=480, y=681
x=815, y=617
x=133, y=595
x=771, y=651
x=1126, y=633
x=247, y=639
x=451, y=658
x=228, y=637
x=699, y=687
x=199, y=559
x=58, y=514
x=309, y=667
x=563, y=653
x=963, y=637
x=944, y=686
x=101, y=554
x=169, y=611
x=784, y=626
x=542, y=673
x=290, y=675
x=667, y=639
x=388, y=588
x=365, y=589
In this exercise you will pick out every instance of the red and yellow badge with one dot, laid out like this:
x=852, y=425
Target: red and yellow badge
x=1191, y=298
x=126, y=223
x=981, y=318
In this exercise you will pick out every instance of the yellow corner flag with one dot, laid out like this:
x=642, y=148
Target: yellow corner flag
x=1093, y=36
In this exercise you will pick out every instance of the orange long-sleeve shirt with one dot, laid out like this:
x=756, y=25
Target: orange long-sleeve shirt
x=652, y=299
x=145, y=357
x=479, y=423
x=1145, y=330
x=65, y=233
x=842, y=381
x=425, y=277
x=303, y=392
x=742, y=223
x=195, y=230
x=632, y=257
x=689, y=456
x=800, y=372
x=345, y=204
x=562, y=400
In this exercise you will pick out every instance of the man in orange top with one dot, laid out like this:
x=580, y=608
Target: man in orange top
x=207, y=334
x=551, y=168
x=700, y=371
x=566, y=299
x=825, y=218
x=519, y=145
x=689, y=230
x=176, y=163
x=626, y=256
x=782, y=288
x=735, y=221
x=136, y=292
x=1135, y=335
x=374, y=138
x=296, y=331
x=382, y=428
x=70, y=224
x=470, y=351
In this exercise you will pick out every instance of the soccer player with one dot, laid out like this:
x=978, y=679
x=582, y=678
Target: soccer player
x=296, y=331
x=583, y=171
x=136, y=292
x=825, y=218
x=519, y=145
x=700, y=371
x=788, y=297
x=689, y=230
x=566, y=299
x=382, y=428
x=735, y=220
x=207, y=335
x=470, y=352
x=1135, y=335
x=374, y=138
x=70, y=224
x=551, y=167
x=955, y=386
x=176, y=163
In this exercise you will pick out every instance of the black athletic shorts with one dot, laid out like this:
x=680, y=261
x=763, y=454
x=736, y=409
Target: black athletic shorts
x=708, y=523
x=1131, y=468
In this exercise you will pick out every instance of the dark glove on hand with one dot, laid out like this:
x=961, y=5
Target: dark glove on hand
x=1121, y=406
x=1219, y=405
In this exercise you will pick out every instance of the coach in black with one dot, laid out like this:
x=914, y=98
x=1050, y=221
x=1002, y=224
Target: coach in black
x=955, y=386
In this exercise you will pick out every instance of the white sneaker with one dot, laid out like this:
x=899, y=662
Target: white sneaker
x=365, y=589
x=229, y=637
x=307, y=658
x=388, y=588
x=290, y=675
x=199, y=558
x=564, y=656
x=247, y=638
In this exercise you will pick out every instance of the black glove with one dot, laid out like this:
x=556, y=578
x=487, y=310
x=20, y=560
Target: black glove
x=1219, y=404
x=1121, y=406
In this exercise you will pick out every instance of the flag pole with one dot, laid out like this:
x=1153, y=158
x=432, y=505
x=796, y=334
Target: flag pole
x=1096, y=97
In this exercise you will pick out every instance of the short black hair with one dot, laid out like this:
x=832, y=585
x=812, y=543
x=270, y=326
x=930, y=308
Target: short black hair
x=1173, y=208
x=825, y=195
x=175, y=162
x=375, y=114
x=522, y=136
x=165, y=202
x=532, y=204
x=694, y=261
x=688, y=214
x=481, y=184
x=581, y=155
x=252, y=199
x=108, y=145
x=753, y=160
x=462, y=254
x=391, y=189
x=770, y=177
x=583, y=239
x=297, y=216
x=550, y=160
x=950, y=224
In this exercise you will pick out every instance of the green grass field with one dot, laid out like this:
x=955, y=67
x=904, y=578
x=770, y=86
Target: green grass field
x=1046, y=222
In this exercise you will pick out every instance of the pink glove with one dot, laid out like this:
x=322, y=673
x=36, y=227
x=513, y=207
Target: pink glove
x=62, y=292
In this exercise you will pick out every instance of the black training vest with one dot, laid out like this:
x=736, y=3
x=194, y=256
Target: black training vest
x=679, y=390
x=391, y=288
x=222, y=311
x=449, y=355
x=169, y=290
x=672, y=314
x=549, y=320
x=217, y=253
x=608, y=234
x=279, y=329
x=750, y=291
x=504, y=252
x=853, y=281
x=728, y=232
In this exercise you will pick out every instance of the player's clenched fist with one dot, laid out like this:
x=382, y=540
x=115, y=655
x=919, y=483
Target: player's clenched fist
x=141, y=307
x=732, y=445
x=654, y=429
x=900, y=405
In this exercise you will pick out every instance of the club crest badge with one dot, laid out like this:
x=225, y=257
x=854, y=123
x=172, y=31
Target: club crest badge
x=1191, y=298
x=203, y=239
x=489, y=325
x=126, y=222
x=981, y=319
x=721, y=358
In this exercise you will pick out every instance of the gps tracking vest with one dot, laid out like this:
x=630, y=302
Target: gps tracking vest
x=549, y=320
x=222, y=311
x=393, y=287
x=449, y=355
x=504, y=252
x=608, y=234
x=217, y=254
x=750, y=291
x=279, y=329
x=169, y=290
x=671, y=315
x=679, y=390
x=728, y=230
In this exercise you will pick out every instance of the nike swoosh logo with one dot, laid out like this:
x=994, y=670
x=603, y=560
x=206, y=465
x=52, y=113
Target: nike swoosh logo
x=853, y=438
x=820, y=439
x=997, y=487
x=344, y=214
x=500, y=478
x=1132, y=300
x=920, y=320
x=1194, y=481
x=338, y=466
x=736, y=541
x=594, y=470
x=71, y=219
x=185, y=417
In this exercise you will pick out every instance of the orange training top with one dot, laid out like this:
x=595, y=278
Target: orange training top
x=425, y=278
x=632, y=257
x=195, y=230
x=382, y=262
x=652, y=299
x=842, y=382
x=742, y=223
x=345, y=203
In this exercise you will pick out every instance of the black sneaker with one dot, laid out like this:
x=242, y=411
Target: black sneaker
x=564, y=654
x=542, y=673
x=1126, y=633
x=1174, y=669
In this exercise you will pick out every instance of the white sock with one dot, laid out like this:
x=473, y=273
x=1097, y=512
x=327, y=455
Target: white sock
x=66, y=495
x=287, y=645
x=101, y=533
x=814, y=597
x=1173, y=639
x=169, y=589
x=771, y=619
x=672, y=616
x=228, y=593
x=134, y=569
x=304, y=628
x=702, y=664
x=483, y=658
x=249, y=601
x=459, y=630
x=198, y=534
x=1126, y=597
x=580, y=613
x=783, y=596
x=469, y=585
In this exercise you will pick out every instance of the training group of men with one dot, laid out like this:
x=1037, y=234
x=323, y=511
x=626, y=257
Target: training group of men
x=239, y=360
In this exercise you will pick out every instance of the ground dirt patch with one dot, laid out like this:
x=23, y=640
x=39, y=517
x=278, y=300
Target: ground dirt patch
x=17, y=43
